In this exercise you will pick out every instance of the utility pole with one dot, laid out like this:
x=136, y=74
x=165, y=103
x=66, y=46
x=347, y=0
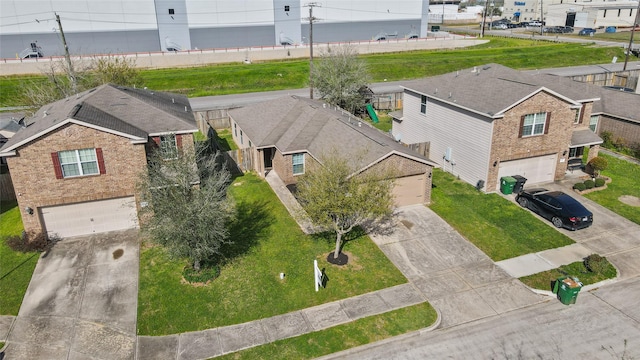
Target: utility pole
x=72, y=75
x=541, y=19
x=484, y=19
x=311, y=21
x=633, y=29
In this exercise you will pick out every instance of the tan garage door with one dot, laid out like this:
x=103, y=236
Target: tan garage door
x=90, y=217
x=536, y=169
x=409, y=190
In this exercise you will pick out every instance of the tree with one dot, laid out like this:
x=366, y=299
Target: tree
x=87, y=74
x=188, y=209
x=339, y=77
x=337, y=198
x=598, y=164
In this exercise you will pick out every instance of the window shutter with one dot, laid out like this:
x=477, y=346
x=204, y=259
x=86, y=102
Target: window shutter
x=156, y=139
x=521, y=126
x=546, y=123
x=100, y=161
x=56, y=165
x=179, y=141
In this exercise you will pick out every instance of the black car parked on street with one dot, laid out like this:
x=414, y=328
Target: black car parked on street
x=563, y=210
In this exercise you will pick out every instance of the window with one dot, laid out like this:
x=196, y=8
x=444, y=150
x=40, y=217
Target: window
x=241, y=138
x=78, y=163
x=168, y=146
x=593, y=123
x=577, y=119
x=423, y=104
x=576, y=152
x=298, y=164
x=171, y=12
x=534, y=124
x=286, y=8
x=235, y=129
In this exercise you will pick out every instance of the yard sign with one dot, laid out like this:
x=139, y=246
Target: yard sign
x=317, y=275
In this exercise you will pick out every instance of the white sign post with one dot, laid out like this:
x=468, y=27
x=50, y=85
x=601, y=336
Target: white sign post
x=317, y=274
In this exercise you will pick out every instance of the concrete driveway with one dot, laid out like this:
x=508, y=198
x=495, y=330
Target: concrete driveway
x=456, y=277
x=611, y=235
x=81, y=302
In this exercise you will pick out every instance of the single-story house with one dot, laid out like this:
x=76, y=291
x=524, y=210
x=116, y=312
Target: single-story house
x=487, y=122
x=290, y=134
x=76, y=163
x=618, y=113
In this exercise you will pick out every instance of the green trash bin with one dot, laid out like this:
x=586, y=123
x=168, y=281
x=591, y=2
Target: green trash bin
x=506, y=184
x=567, y=289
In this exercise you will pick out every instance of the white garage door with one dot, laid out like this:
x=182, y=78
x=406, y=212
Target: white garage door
x=536, y=170
x=409, y=190
x=90, y=217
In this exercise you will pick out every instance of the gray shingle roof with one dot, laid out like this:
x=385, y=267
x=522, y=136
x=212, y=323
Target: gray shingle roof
x=619, y=104
x=294, y=124
x=491, y=89
x=137, y=113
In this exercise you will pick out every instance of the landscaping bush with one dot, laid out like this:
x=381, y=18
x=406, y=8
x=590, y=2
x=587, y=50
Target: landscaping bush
x=31, y=241
x=579, y=186
x=600, y=182
x=589, y=184
x=597, y=164
x=596, y=263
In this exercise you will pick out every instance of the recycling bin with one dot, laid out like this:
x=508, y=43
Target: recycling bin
x=520, y=180
x=567, y=289
x=506, y=184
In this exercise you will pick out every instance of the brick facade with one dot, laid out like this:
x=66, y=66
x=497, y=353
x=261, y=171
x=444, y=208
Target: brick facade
x=620, y=129
x=507, y=145
x=35, y=181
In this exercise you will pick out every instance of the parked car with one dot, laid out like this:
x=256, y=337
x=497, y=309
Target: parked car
x=587, y=31
x=563, y=210
x=567, y=29
x=535, y=23
x=501, y=26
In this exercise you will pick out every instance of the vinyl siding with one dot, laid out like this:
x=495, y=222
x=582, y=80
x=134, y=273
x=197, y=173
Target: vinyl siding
x=468, y=135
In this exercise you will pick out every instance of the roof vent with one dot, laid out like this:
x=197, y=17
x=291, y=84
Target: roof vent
x=45, y=113
x=475, y=69
x=173, y=101
x=450, y=94
x=185, y=108
x=436, y=91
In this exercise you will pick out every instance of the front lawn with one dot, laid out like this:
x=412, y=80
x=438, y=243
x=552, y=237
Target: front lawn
x=542, y=280
x=498, y=227
x=16, y=268
x=624, y=181
x=267, y=242
x=342, y=337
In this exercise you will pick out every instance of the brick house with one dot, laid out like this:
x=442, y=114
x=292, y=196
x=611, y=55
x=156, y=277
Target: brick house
x=75, y=165
x=487, y=122
x=618, y=113
x=290, y=135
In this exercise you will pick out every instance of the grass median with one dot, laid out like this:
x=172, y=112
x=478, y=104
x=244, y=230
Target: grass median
x=498, y=227
x=543, y=280
x=267, y=242
x=16, y=268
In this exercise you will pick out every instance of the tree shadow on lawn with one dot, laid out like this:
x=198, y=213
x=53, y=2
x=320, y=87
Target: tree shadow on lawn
x=252, y=218
x=329, y=237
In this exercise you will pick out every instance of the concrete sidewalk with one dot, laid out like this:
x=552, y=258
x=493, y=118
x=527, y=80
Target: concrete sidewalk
x=530, y=264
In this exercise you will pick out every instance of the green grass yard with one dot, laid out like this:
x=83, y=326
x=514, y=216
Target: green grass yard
x=577, y=269
x=498, y=227
x=267, y=242
x=16, y=268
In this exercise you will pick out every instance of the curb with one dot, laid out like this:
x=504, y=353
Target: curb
x=589, y=287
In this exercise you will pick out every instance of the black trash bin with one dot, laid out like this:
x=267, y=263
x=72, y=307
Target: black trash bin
x=520, y=180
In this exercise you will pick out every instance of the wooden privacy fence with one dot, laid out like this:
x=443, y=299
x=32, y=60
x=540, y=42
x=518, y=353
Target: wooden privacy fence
x=6, y=188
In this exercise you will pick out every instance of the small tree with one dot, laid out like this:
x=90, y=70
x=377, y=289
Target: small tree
x=338, y=199
x=598, y=164
x=340, y=76
x=188, y=209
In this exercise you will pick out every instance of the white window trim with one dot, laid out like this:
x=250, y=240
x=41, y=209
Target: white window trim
x=78, y=163
x=578, y=113
x=293, y=164
x=536, y=117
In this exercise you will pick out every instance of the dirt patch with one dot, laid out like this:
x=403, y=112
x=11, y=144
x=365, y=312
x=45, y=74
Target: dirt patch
x=630, y=200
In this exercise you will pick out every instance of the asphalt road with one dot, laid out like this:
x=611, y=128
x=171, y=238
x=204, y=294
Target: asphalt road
x=596, y=327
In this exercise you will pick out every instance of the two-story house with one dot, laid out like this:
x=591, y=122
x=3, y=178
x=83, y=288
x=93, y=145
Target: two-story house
x=490, y=121
x=75, y=165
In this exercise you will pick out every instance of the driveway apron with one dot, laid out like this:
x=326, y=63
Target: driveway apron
x=81, y=302
x=455, y=276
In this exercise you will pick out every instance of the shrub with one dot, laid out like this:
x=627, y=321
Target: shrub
x=600, y=182
x=598, y=164
x=607, y=138
x=579, y=186
x=596, y=263
x=204, y=275
x=31, y=241
x=589, y=184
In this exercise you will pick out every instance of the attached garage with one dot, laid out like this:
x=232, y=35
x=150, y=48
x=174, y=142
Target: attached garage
x=409, y=190
x=90, y=217
x=536, y=169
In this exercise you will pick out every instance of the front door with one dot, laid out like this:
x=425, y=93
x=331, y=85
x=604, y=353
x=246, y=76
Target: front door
x=268, y=158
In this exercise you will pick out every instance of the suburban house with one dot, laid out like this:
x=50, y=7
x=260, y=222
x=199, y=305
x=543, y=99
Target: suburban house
x=76, y=163
x=618, y=113
x=290, y=134
x=490, y=121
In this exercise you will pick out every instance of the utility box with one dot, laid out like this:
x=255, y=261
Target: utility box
x=567, y=289
x=506, y=184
